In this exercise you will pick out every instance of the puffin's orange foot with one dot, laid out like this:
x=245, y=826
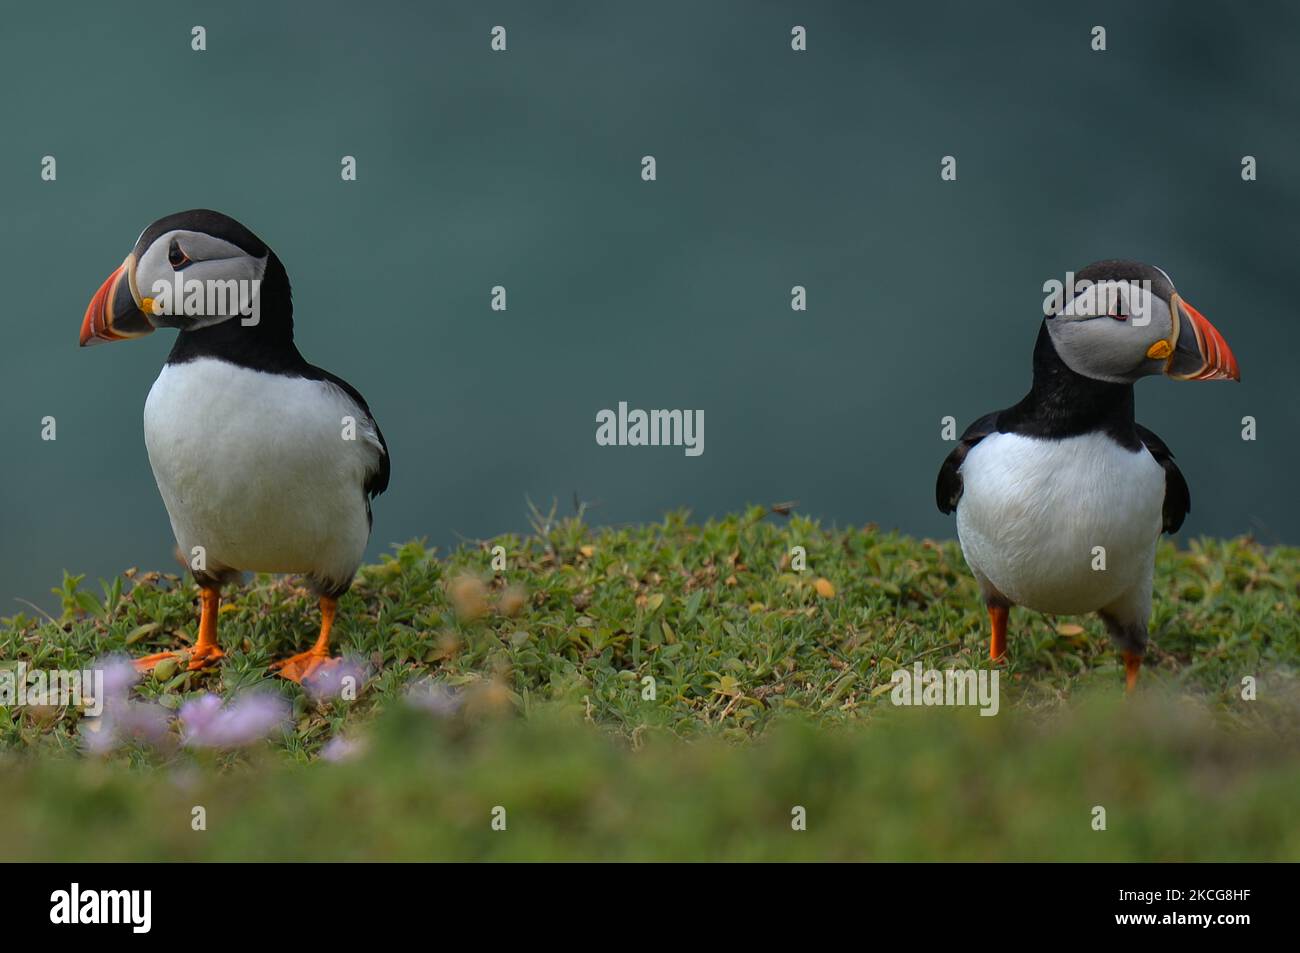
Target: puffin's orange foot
x=149, y=662
x=199, y=657
x=298, y=668
x=204, y=655
x=998, y=644
x=1132, y=666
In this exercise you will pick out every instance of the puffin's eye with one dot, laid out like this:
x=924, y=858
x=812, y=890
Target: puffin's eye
x=1116, y=307
x=175, y=257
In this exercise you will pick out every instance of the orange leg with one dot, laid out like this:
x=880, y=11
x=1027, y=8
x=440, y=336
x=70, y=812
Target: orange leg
x=206, y=649
x=998, y=620
x=1132, y=666
x=305, y=664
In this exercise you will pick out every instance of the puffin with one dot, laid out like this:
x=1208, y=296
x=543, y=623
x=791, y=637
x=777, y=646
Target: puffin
x=265, y=463
x=1061, y=498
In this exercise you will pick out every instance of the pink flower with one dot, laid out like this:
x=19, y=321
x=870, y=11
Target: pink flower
x=121, y=720
x=340, y=748
x=207, y=723
x=337, y=678
x=119, y=676
x=433, y=697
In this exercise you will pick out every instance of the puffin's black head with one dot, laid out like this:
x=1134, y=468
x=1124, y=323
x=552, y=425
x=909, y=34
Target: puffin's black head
x=1123, y=320
x=187, y=271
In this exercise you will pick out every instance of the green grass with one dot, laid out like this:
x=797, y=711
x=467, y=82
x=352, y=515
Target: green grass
x=771, y=690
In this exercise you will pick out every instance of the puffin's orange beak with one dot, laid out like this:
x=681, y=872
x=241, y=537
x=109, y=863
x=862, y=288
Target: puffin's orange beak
x=113, y=314
x=1200, y=352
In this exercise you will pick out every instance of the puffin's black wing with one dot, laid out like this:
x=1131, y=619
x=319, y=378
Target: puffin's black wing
x=948, y=489
x=376, y=479
x=1178, y=498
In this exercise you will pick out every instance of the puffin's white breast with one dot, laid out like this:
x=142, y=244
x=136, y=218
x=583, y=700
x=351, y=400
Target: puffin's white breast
x=1033, y=512
x=255, y=468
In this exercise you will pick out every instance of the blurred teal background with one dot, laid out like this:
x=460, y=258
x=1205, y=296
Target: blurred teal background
x=523, y=169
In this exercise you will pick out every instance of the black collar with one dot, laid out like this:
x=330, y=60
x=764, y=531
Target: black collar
x=1063, y=403
x=266, y=346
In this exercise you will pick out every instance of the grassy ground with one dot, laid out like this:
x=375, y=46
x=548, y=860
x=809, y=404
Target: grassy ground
x=548, y=659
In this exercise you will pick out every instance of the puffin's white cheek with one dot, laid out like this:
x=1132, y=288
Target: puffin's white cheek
x=215, y=291
x=1071, y=345
x=150, y=278
x=1100, y=348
